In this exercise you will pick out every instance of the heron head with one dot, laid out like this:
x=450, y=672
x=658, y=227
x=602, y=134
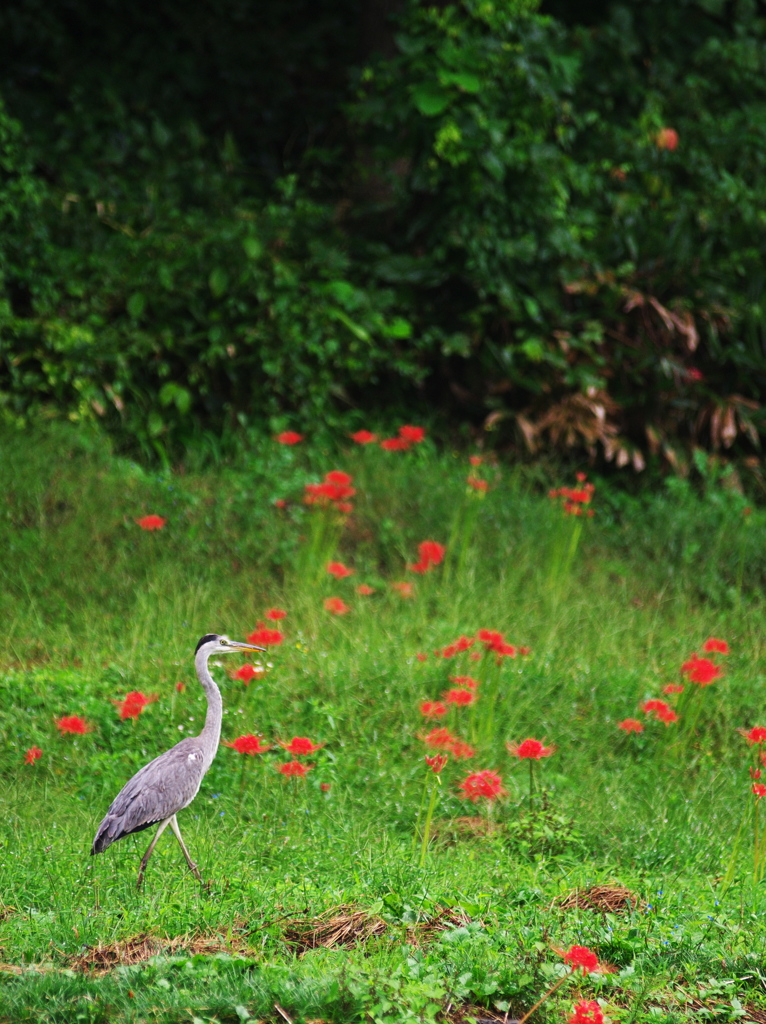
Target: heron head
x=213, y=643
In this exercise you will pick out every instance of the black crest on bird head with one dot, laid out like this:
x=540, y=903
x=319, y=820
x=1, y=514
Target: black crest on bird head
x=206, y=640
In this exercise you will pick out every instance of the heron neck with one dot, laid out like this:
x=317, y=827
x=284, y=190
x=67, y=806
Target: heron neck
x=211, y=732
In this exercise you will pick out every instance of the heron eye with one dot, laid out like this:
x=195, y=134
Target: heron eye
x=224, y=642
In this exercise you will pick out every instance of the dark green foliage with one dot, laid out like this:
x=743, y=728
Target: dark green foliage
x=233, y=218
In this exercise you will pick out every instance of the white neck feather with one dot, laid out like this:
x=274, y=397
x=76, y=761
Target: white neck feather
x=211, y=733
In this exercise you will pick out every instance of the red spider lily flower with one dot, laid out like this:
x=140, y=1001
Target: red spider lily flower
x=755, y=773
x=247, y=673
x=459, y=697
x=580, y=958
x=667, y=138
x=477, y=484
x=181, y=687
x=294, y=769
x=412, y=435
x=275, y=614
x=581, y=477
x=345, y=507
x=339, y=570
x=300, y=746
x=485, y=784
x=151, y=522
x=464, y=643
x=432, y=709
x=701, y=670
x=529, y=750
x=431, y=551
x=248, y=744
x=289, y=437
x=468, y=681
x=420, y=567
x=338, y=477
x=661, y=711
x=72, y=724
x=715, y=646
x=363, y=437
x=491, y=638
x=280, y=503
x=475, y=460
x=32, y=755
x=439, y=738
x=134, y=704
x=630, y=725
x=462, y=751
x=504, y=650
x=759, y=789
x=673, y=688
x=365, y=590
x=437, y=654
x=475, y=656
x=525, y=651
x=262, y=636
x=586, y=1011
x=325, y=787
x=394, y=444
x=422, y=656
x=336, y=606
x=403, y=588
x=437, y=762
x=756, y=736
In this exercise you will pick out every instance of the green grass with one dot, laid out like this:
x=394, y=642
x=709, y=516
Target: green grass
x=93, y=607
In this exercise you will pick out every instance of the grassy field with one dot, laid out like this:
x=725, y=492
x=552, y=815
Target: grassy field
x=660, y=827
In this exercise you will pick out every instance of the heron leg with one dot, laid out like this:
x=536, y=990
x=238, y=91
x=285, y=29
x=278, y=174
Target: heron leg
x=177, y=833
x=144, y=860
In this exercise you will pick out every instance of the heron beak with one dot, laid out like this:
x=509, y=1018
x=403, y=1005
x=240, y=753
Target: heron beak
x=246, y=647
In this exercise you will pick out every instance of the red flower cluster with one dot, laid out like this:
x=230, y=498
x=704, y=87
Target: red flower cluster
x=661, y=711
x=336, y=606
x=289, y=437
x=484, y=784
x=294, y=769
x=462, y=751
x=463, y=643
x=672, y=688
x=759, y=789
x=430, y=553
x=405, y=589
x=339, y=570
x=247, y=673
x=586, y=1011
x=529, y=750
x=715, y=646
x=468, y=681
x=134, y=704
x=335, y=490
x=408, y=435
x=432, y=709
x=299, y=746
x=364, y=437
x=275, y=614
x=32, y=755
x=477, y=484
x=756, y=736
x=494, y=641
x=443, y=739
x=365, y=590
x=437, y=762
x=459, y=697
x=72, y=724
x=580, y=958
x=575, y=498
x=248, y=744
x=151, y=522
x=701, y=670
x=630, y=725
x=264, y=636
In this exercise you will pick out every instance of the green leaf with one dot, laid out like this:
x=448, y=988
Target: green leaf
x=218, y=281
x=462, y=79
x=430, y=100
x=136, y=304
x=252, y=246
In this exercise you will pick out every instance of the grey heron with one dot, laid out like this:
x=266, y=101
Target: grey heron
x=170, y=782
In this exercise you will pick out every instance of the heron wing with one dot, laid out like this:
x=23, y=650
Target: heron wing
x=156, y=792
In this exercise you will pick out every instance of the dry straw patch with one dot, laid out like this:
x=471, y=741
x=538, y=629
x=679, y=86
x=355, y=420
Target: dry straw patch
x=603, y=899
x=105, y=957
x=347, y=925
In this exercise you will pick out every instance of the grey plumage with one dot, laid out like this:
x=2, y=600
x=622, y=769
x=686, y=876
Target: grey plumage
x=170, y=782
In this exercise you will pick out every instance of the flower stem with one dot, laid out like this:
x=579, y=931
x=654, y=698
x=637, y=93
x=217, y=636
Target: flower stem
x=429, y=816
x=545, y=996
